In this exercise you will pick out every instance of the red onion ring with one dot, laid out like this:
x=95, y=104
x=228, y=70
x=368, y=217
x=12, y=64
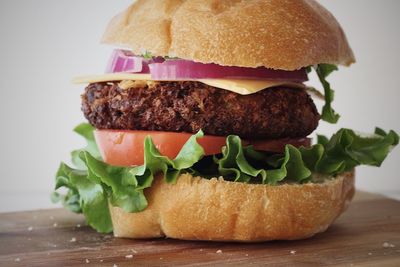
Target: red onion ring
x=188, y=70
x=179, y=69
x=124, y=61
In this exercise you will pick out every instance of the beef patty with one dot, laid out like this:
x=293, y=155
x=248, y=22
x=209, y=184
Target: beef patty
x=189, y=106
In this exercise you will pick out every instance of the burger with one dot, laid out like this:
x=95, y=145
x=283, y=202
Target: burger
x=199, y=128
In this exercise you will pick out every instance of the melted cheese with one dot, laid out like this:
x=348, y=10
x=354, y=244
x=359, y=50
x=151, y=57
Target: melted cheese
x=246, y=87
x=242, y=87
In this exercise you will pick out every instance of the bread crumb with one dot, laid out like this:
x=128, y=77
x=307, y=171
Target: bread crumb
x=115, y=265
x=293, y=252
x=219, y=251
x=55, y=224
x=17, y=259
x=101, y=260
x=87, y=260
x=78, y=225
x=388, y=245
x=73, y=239
x=30, y=228
x=129, y=256
x=200, y=249
x=161, y=258
x=369, y=253
x=247, y=255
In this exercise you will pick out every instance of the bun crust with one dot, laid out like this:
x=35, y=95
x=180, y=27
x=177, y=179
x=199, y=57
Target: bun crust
x=277, y=34
x=200, y=209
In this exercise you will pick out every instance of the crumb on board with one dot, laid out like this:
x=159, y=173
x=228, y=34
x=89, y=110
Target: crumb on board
x=55, y=224
x=293, y=252
x=115, y=265
x=17, y=259
x=87, y=260
x=388, y=245
x=369, y=253
x=30, y=228
x=161, y=258
x=73, y=239
x=218, y=251
x=78, y=225
x=101, y=260
x=129, y=256
x=247, y=255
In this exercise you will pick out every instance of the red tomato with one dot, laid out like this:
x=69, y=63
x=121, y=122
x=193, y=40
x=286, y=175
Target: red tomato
x=125, y=148
x=278, y=145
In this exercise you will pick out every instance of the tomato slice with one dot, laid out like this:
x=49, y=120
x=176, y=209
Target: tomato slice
x=125, y=148
x=278, y=145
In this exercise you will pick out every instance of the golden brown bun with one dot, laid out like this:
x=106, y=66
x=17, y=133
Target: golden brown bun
x=201, y=209
x=276, y=34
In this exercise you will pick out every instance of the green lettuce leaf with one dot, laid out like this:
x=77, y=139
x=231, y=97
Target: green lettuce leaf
x=346, y=150
x=235, y=166
x=86, y=131
x=90, y=196
x=327, y=114
x=147, y=55
x=92, y=185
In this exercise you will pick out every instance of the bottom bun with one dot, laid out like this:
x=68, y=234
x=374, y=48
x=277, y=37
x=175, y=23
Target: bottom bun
x=200, y=209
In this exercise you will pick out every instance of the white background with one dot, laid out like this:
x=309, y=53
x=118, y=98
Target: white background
x=44, y=43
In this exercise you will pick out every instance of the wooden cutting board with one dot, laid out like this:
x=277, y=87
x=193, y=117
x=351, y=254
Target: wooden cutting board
x=368, y=234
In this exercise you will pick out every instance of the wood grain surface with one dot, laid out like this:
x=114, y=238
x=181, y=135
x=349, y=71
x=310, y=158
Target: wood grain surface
x=368, y=234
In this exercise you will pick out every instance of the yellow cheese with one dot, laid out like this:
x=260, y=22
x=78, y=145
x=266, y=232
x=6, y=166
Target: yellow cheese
x=246, y=87
x=111, y=77
x=243, y=87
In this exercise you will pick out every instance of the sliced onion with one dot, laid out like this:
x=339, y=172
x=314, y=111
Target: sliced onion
x=188, y=70
x=179, y=69
x=124, y=61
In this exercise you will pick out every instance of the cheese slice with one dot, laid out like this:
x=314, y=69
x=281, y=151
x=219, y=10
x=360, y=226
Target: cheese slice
x=239, y=86
x=247, y=87
x=108, y=77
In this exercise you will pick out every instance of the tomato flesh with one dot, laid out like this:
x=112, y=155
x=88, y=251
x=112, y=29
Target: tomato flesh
x=279, y=145
x=126, y=148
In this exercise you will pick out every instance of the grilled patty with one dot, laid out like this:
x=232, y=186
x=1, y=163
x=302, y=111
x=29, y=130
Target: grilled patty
x=189, y=106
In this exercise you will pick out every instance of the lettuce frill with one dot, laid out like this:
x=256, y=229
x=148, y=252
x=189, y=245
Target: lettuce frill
x=92, y=184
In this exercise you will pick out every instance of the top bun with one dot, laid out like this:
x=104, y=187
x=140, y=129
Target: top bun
x=277, y=34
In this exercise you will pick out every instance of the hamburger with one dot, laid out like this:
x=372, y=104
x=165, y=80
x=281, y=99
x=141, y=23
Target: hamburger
x=199, y=128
